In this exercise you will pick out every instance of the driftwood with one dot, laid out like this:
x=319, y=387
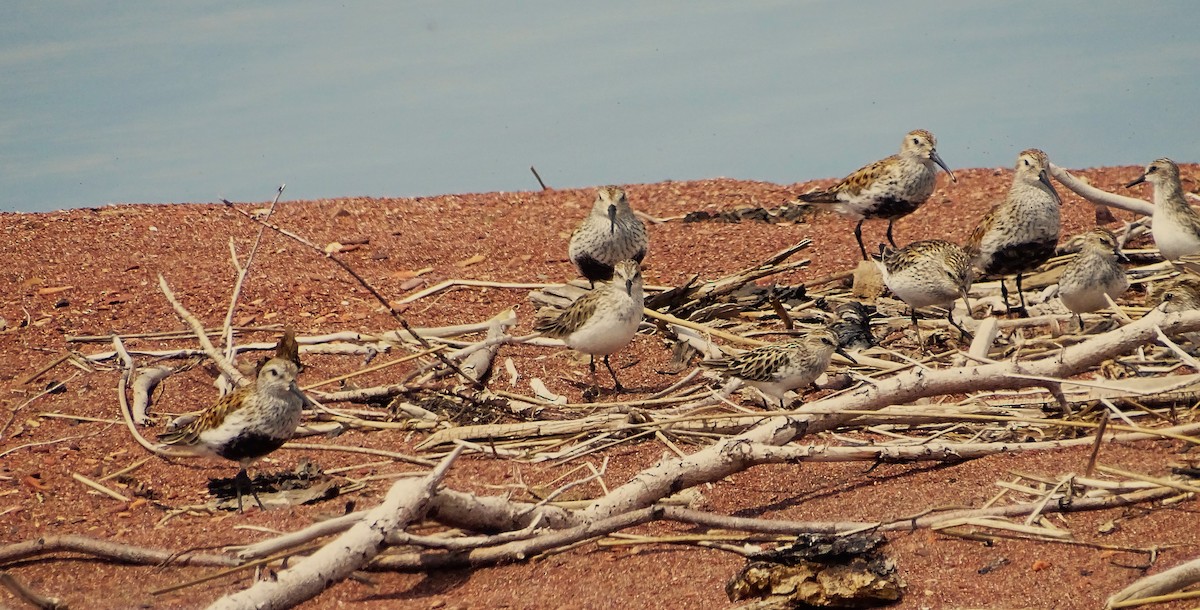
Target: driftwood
x=404, y=503
x=1174, y=579
x=1095, y=195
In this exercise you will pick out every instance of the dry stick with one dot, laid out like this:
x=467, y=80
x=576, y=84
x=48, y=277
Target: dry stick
x=726, y=457
x=1095, y=195
x=44, y=369
x=299, y=537
x=123, y=401
x=98, y=487
x=405, y=502
x=29, y=595
x=222, y=363
x=440, y=286
x=242, y=270
x=1176, y=578
x=555, y=540
x=539, y=178
x=770, y=454
x=372, y=369
x=1183, y=487
x=115, y=551
x=1099, y=438
x=370, y=289
x=143, y=386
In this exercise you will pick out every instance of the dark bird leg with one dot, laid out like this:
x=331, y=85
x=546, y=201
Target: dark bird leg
x=592, y=370
x=912, y=311
x=616, y=383
x=858, y=236
x=889, y=233
x=1023, y=312
x=1079, y=320
x=242, y=482
x=966, y=336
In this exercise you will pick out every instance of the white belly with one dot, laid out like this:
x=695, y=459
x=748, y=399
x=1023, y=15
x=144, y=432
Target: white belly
x=1174, y=239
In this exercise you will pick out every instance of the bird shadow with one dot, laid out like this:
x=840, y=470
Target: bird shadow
x=434, y=582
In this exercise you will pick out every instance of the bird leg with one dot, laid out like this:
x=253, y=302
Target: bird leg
x=616, y=383
x=858, y=236
x=243, y=479
x=889, y=232
x=963, y=334
x=912, y=311
x=1079, y=320
x=1023, y=312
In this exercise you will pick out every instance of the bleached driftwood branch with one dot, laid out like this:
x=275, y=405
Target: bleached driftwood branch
x=730, y=455
x=1095, y=195
x=405, y=502
x=142, y=387
x=1176, y=578
x=223, y=363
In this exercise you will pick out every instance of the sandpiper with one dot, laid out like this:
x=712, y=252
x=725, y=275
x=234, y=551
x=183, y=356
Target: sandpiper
x=924, y=273
x=1174, y=225
x=1092, y=274
x=778, y=367
x=611, y=233
x=1180, y=294
x=1022, y=232
x=889, y=188
x=602, y=321
x=250, y=422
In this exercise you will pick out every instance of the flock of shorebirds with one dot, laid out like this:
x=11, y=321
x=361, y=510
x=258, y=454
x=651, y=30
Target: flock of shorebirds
x=608, y=247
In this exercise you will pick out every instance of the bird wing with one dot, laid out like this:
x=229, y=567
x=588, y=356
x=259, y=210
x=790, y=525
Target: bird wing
x=212, y=417
x=570, y=320
x=758, y=364
x=974, y=242
x=853, y=184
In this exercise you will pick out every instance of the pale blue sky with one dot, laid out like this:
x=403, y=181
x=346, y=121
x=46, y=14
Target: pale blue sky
x=146, y=101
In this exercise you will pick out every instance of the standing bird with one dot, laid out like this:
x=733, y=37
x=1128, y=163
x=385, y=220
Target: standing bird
x=924, y=273
x=611, y=233
x=1022, y=232
x=779, y=367
x=1174, y=225
x=889, y=188
x=1093, y=273
x=251, y=421
x=602, y=321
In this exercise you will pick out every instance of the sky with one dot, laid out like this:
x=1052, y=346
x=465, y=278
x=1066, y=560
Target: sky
x=161, y=102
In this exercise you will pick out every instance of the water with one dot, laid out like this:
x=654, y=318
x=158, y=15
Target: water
x=172, y=102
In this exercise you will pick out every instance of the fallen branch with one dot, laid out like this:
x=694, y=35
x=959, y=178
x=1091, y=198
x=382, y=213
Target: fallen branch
x=115, y=551
x=405, y=502
x=227, y=368
x=1178, y=577
x=1095, y=195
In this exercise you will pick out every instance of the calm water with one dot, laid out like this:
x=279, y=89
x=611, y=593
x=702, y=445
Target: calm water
x=169, y=102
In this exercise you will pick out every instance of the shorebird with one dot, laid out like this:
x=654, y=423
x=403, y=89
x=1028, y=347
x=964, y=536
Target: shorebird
x=250, y=422
x=1174, y=225
x=776, y=368
x=924, y=273
x=602, y=321
x=1092, y=274
x=610, y=233
x=1180, y=294
x=889, y=188
x=1022, y=232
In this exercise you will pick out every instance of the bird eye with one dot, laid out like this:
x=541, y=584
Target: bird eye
x=273, y=372
x=1150, y=170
